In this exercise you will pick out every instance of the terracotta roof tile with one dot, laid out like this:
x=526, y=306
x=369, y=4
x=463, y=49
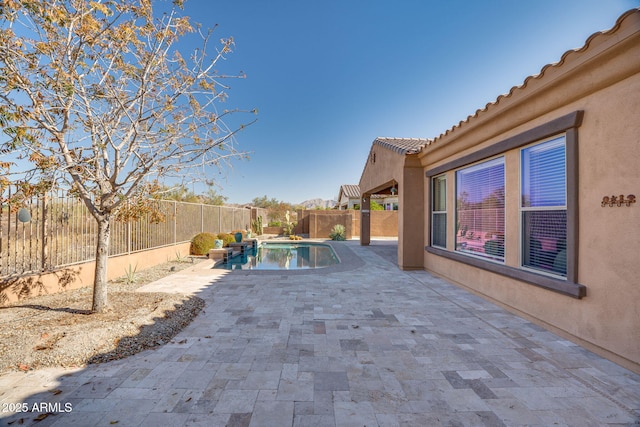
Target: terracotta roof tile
x=352, y=191
x=402, y=145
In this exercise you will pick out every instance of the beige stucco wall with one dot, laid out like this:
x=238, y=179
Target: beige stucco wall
x=81, y=275
x=318, y=223
x=603, y=80
x=388, y=166
x=321, y=223
x=383, y=223
x=406, y=171
x=411, y=218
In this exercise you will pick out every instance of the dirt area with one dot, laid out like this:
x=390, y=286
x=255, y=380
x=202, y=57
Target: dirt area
x=59, y=329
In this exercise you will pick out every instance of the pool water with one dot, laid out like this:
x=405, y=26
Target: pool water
x=284, y=256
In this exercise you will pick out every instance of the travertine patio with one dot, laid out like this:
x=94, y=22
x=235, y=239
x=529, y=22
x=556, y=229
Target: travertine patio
x=360, y=344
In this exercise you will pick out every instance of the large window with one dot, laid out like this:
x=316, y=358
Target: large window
x=480, y=209
x=439, y=212
x=546, y=203
x=544, y=206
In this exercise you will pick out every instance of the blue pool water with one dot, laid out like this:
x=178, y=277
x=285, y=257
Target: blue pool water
x=284, y=256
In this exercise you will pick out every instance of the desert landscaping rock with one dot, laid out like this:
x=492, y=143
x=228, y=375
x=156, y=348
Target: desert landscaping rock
x=59, y=330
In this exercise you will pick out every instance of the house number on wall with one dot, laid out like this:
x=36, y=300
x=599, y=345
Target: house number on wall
x=618, y=200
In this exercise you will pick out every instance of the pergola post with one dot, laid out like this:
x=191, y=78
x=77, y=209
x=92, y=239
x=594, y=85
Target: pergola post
x=365, y=219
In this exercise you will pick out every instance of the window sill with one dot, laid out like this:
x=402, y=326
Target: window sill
x=564, y=287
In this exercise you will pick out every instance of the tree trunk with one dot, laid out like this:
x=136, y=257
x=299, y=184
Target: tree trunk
x=100, y=300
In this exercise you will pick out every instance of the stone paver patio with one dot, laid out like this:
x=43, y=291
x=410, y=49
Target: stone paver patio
x=359, y=344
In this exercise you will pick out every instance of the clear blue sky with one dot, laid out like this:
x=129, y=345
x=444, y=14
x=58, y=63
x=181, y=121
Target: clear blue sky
x=330, y=76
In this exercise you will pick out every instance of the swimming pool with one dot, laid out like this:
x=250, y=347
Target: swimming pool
x=284, y=255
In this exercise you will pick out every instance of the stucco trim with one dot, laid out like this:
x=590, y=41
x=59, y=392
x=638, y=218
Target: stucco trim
x=571, y=289
x=561, y=124
x=571, y=144
x=567, y=124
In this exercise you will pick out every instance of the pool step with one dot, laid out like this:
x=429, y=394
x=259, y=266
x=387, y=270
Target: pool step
x=222, y=254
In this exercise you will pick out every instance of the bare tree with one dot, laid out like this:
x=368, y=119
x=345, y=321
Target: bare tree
x=96, y=94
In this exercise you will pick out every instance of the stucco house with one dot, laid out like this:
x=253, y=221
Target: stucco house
x=348, y=197
x=393, y=167
x=531, y=201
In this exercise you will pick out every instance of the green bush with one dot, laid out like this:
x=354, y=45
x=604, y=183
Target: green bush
x=201, y=243
x=287, y=229
x=275, y=224
x=338, y=232
x=375, y=206
x=226, y=238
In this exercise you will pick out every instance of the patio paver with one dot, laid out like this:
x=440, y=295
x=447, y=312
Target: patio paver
x=360, y=344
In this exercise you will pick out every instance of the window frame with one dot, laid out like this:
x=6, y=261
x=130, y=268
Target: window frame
x=433, y=212
x=496, y=160
x=567, y=124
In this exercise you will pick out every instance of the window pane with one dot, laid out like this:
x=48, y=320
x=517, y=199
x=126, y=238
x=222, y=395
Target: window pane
x=439, y=194
x=544, y=186
x=439, y=233
x=544, y=174
x=439, y=216
x=480, y=209
x=545, y=240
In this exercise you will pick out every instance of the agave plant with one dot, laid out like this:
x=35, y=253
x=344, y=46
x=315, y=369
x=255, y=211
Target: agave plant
x=338, y=232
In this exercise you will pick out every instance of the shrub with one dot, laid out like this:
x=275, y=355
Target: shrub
x=275, y=224
x=287, y=229
x=256, y=224
x=338, y=232
x=227, y=238
x=201, y=243
x=375, y=206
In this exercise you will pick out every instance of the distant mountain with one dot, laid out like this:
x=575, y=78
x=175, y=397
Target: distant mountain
x=318, y=203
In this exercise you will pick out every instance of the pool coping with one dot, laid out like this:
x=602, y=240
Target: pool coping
x=348, y=261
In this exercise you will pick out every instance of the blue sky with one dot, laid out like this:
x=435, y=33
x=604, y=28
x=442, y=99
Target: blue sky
x=330, y=76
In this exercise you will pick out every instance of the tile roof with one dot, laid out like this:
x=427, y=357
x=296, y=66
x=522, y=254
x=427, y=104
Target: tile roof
x=403, y=145
x=352, y=191
x=633, y=16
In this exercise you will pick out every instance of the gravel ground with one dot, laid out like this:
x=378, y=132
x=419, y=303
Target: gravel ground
x=59, y=329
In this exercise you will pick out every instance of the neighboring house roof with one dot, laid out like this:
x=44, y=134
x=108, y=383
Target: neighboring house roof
x=352, y=191
x=403, y=145
x=569, y=57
